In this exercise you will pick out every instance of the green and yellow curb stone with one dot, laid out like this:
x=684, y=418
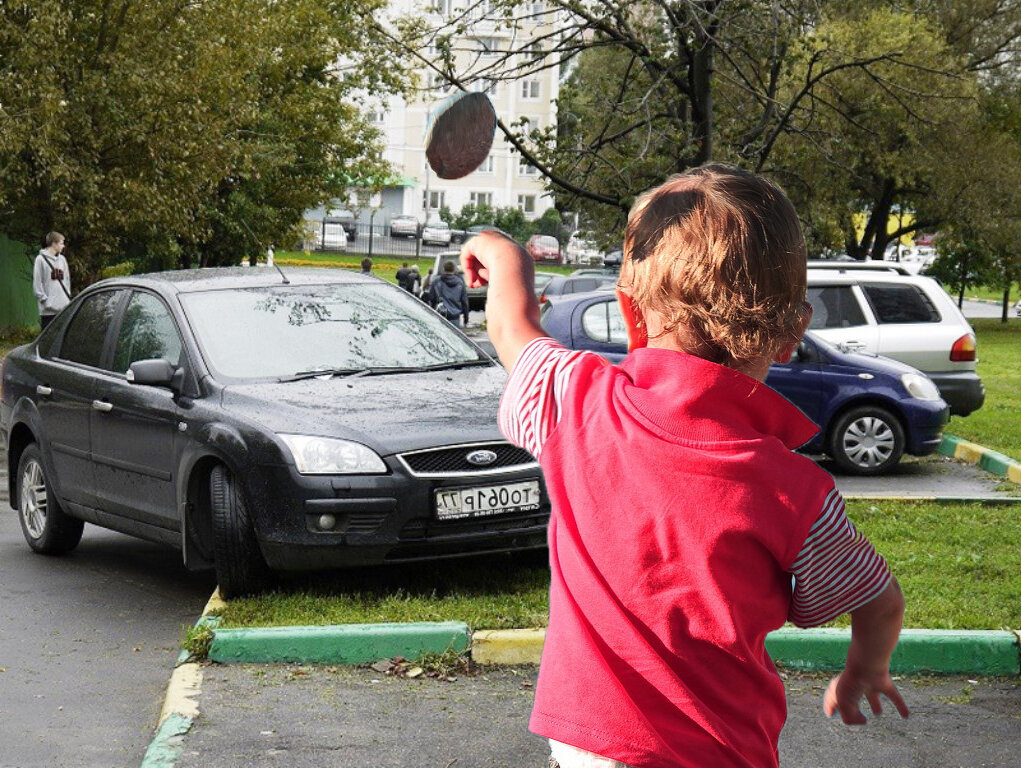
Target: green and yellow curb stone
x=988, y=459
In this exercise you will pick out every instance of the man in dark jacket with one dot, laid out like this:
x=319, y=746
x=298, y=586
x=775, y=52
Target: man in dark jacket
x=404, y=277
x=449, y=295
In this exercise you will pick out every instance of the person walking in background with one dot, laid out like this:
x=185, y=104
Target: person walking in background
x=449, y=294
x=424, y=294
x=414, y=281
x=366, y=266
x=51, y=279
x=404, y=277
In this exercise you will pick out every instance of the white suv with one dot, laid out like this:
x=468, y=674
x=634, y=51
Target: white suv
x=907, y=317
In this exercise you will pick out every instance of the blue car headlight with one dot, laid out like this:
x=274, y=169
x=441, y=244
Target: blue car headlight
x=919, y=386
x=330, y=456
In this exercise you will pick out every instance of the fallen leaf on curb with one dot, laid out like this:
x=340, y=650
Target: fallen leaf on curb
x=414, y=672
x=526, y=683
x=384, y=665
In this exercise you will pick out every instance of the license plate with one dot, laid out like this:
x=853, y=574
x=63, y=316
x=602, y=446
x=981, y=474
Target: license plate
x=486, y=500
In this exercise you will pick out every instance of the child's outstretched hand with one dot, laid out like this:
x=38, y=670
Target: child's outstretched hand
x=512, y=311
x=845, y=692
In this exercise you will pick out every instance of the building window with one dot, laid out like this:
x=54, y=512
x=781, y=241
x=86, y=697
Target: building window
x=487, y=166
x=529, y=89
x=482, y=198
x=526, y=203
x=378, y=116
x=534, y=52
x=489, y=46
x=434, y=199
x=486, y=85
x=525, y=168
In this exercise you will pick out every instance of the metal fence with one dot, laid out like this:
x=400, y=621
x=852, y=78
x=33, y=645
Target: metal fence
x=375, y=240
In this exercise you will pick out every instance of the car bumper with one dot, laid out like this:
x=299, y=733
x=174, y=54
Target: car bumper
x=924, y=430
x=963, y=391
x=378, y=519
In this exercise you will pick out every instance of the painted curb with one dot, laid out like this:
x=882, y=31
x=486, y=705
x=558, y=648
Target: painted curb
x=975, y=652
x=180, y=708
x=988, y=459
x=338, y=644
x=507, y=646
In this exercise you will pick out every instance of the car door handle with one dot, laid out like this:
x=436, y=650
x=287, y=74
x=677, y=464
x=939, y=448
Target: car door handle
x=44, y=391
x=102, y=405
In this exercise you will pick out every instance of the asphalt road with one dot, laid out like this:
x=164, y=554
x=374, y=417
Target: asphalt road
x=306, y=717
x=87, y=645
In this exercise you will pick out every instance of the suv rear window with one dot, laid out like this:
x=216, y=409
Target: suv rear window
x=901, y=303
x=834, y=306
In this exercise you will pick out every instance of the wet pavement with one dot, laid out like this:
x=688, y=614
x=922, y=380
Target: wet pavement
x=300, y=717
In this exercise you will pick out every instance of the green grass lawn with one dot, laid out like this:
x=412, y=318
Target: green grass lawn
x=958, y=565
x=997, y=424
x=382, y=266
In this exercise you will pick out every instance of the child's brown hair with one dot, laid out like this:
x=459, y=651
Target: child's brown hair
x=718, y=252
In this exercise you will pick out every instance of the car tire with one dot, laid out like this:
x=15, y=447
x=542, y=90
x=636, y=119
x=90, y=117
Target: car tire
x=47, y=528
x=867, y=440
x=240, y=567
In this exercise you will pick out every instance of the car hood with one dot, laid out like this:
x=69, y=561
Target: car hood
x=867, y=362
x=389, y=413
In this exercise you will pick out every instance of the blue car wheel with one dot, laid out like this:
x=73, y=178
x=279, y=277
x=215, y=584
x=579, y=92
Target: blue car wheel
x=867, y=440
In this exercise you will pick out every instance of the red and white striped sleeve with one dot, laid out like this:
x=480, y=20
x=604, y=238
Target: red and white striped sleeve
x=530, y=407
x=837, y=569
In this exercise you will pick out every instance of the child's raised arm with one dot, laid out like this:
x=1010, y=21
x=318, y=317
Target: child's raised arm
x=512, y=311
x=875, y=628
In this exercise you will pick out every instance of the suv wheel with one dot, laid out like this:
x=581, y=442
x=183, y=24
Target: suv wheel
x=867, y=440
x=240, y=567
x=46, y=527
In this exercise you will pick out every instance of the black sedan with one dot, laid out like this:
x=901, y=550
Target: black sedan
x=261, y=422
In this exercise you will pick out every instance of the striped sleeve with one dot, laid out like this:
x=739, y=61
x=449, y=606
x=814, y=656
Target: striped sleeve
x=837, y=569
x=530, y=407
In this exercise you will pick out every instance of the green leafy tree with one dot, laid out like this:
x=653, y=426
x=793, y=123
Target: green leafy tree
x=168, y=132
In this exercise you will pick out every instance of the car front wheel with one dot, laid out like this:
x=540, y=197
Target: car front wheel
x=240, y=567
x=47, y=528
x=867, y=440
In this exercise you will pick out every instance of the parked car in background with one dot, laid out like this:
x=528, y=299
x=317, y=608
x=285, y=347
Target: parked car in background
x=278, y=441
x=583, y=251
x=562, y=285
x=543, y=248
x=331, y=236
x=476, y=296
x=870, y=410
x=404, y=225
x=458, y=235
x=346, y=219
x=436, y=232
x=542, y=279
x=906, y=317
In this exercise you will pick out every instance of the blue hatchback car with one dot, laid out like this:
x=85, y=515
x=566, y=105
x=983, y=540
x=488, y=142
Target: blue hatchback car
x=870, y=409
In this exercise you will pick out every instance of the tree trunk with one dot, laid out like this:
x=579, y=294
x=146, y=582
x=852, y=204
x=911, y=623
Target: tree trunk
x=1005, y=313
x=702, y=104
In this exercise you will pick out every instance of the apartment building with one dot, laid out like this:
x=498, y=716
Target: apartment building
x=505, y=179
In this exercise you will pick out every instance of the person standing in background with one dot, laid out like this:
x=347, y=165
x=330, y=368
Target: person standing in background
x=366, y=266
x=51, y=279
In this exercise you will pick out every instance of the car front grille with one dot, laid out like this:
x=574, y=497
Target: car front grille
x=452, y=461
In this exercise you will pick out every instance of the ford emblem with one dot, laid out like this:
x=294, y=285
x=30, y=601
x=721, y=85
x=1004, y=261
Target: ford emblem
x=481, y=458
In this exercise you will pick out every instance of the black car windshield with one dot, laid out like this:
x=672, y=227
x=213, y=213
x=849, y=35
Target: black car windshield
x=282, y=330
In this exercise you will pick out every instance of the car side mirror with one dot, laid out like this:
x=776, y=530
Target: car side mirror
x=156, y=373
x=803, y=353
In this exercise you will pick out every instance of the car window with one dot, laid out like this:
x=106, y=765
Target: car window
x=900, y=303
x=834, y=306
x=603, y=322
x=278, y=331
x=86, y=334
x=147, y=332
x=47, y=344
x=581, y=286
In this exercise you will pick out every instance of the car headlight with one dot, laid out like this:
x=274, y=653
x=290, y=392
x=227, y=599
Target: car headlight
x=329, y=456
x=919, y=386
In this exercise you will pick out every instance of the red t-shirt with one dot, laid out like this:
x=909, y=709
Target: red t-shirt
x=680, y=514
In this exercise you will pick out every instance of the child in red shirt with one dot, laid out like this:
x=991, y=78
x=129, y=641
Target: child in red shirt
x=681, y=514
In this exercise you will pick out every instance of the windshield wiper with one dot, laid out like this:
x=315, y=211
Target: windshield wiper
x=353, y=373
x=311, y=374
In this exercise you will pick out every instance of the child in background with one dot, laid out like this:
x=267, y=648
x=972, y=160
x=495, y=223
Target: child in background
x=680, y=510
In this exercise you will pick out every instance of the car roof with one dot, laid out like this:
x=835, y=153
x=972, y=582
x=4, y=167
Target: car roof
x=850, y=276
x=219, y=278
x=863, y=266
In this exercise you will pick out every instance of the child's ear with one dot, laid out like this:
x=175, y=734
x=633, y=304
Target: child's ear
x=637, y=331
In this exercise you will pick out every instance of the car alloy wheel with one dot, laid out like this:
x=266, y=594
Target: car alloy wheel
x=867, y=440
x=33, y=498
x=240, y=567
x=46, y=527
